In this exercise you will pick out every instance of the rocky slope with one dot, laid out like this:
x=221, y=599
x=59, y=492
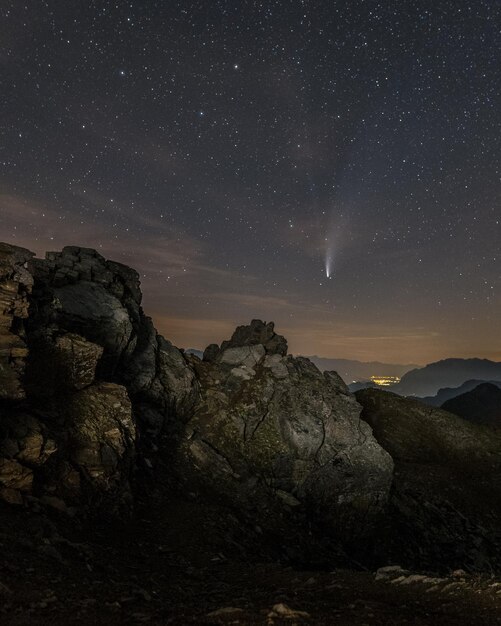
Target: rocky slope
x=445, y=506
x=177, y=563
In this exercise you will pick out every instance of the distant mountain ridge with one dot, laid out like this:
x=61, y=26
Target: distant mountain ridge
x=481, y=405
x=195, y=351
x=428, y=380
x=432, y=384
x=447, y=393
x=360, y=371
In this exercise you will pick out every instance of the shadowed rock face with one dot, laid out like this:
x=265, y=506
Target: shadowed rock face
x=76, y=348
x=15, y=286
x=445, y=506
x=78, y=291
x=273, y=429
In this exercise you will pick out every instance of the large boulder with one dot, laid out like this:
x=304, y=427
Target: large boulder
x=445, y=508
x=272, y=429
x=76, y=437
x=60, y=363
x=68, y=323
x=100, y=437
x=257, y=336
x=78, y=291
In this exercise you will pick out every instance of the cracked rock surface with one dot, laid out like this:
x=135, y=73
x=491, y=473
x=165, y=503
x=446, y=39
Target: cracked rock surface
x=273, y=429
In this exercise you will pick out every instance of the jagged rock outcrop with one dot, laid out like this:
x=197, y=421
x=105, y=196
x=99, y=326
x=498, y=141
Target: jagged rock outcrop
x=92, y=373
x=71, y=437
x=258, y=333
x=272, y=430
x=445, y=506
x=256, y=425
x=78, y=291
x=15, y=286
x=91, y=397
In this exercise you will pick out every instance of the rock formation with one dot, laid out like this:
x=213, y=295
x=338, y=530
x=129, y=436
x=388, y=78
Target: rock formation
x=250, y=423
x=15, y=286
x=67, y=434
x=93, y=402
x=445, y=505
x=274, y=430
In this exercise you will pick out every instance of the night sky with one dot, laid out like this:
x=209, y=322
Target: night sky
x=230, y=150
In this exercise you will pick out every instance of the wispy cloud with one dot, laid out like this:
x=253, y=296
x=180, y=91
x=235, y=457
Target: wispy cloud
x=160, y=253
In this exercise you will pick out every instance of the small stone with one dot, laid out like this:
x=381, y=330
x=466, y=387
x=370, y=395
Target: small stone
x=399, y=580
x=389, y=571
x=51, y=552
x=413, y=578
x=226, y=610
x=284, y=611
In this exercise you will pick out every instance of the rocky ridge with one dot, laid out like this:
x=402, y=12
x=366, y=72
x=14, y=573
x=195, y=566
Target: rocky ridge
x=99, y=388
x=95, y=407
x=273, y=429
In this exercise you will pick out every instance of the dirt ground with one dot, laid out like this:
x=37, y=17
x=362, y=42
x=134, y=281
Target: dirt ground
x=178, y=563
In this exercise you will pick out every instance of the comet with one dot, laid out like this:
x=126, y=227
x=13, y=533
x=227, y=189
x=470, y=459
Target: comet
x=334, y=241
x=329, y=259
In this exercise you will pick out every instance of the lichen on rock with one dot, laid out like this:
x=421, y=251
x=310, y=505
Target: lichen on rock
x=269, y=424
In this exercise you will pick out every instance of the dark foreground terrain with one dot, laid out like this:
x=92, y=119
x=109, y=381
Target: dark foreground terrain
x=184, y=566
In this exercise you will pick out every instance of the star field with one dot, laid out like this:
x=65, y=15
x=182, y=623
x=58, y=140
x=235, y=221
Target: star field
x=226, y=149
